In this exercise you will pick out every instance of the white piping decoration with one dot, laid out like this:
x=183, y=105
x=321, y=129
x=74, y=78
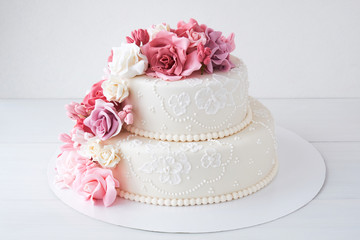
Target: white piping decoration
x=202, y=200
x=190, y=190
x=194, y=120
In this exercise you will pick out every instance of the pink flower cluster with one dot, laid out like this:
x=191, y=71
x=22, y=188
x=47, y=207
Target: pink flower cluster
x=175, y=54
x=97, y=116
x=84, y=176
x=104, y=121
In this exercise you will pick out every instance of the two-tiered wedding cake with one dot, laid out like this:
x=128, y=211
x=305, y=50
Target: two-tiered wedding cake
x=170, y=124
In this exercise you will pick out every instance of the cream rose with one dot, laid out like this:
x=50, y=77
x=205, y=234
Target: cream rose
x=105, y=155
x=155, y=29
x=91, y=148
x=108, y=156
x=127, y=61
x=115, y=89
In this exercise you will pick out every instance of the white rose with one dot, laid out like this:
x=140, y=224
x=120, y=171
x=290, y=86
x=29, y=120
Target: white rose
x=128, y=61
x=115, y=89
x=105, y=155
x=91, y=148
x=108, y=156
x=154, y=29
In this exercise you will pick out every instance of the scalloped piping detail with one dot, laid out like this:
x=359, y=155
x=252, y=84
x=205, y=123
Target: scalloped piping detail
x=193, y=137
x=202, y=200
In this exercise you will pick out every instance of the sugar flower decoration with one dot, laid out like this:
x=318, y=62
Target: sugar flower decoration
x=153, y=30
x=66, y=164
x=76, y=111
x=126, y=115
x=96, y=92
x=192, y=31
x=115, y=89
x=95, y=183
x=104, y=121
x=139, y=37
x=106, y=155
x=221, y=48
x=168, y=58
x=127, y=61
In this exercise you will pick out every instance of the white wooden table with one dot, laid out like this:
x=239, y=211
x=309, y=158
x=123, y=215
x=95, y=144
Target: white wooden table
x=28, y=138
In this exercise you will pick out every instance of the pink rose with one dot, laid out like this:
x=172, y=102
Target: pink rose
x=96, y=92
x=67, y=161
x=66, y=165
x=104, y=121
x=168, y=58
x=140, y=37
x=76, y=111
x=83, y=165
x=193, y=31
x=97, y=184
x=85, y=177
x=220, y=50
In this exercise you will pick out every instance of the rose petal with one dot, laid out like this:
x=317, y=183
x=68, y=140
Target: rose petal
x=110, y=195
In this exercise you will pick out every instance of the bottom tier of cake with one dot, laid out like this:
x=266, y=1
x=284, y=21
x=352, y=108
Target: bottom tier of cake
x=194, y=173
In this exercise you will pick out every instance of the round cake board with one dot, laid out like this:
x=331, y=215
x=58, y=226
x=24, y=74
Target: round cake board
x=300, y=177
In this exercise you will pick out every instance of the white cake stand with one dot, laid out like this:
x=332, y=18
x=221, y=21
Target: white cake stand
x=301, y=176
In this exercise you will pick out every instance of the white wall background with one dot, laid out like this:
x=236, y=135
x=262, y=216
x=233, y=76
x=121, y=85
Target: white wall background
x=293, y=49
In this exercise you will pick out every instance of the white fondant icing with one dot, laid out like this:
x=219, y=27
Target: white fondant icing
x=205, y=105
x=205, y=200
x=191, y=146
x=180, y=173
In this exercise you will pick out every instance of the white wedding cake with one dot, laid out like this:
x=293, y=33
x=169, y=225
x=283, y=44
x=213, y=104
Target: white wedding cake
x=177, y=136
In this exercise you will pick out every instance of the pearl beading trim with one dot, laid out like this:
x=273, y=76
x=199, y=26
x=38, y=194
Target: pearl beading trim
x=202, y=200
x=193, y=137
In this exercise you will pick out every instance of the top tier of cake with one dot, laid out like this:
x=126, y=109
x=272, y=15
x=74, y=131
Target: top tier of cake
x=200, y=107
